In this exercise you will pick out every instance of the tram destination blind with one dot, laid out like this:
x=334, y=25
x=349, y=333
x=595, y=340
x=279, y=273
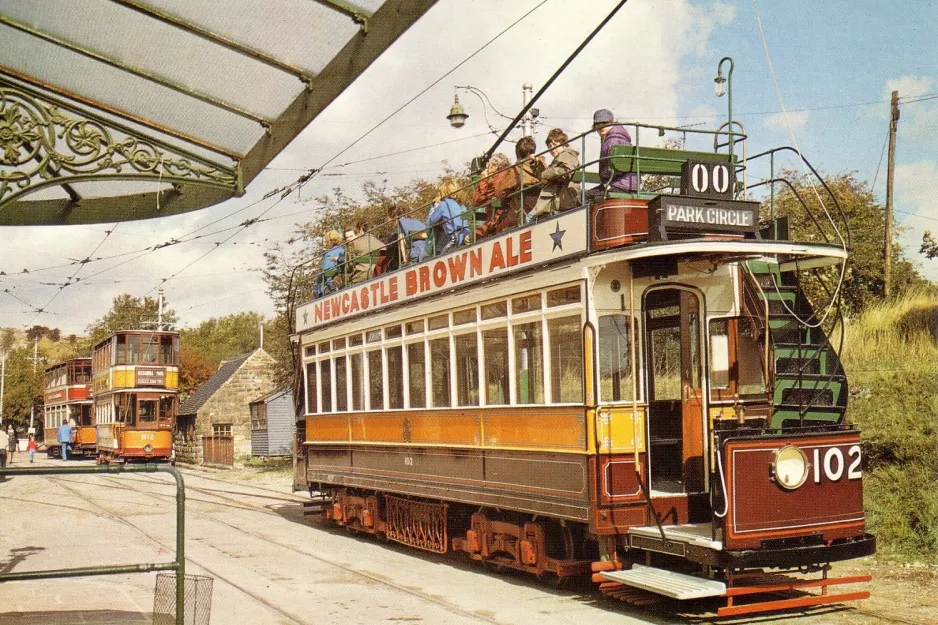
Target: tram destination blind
x=680, y=214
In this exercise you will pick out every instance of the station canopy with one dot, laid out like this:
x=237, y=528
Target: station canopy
x=113, y=110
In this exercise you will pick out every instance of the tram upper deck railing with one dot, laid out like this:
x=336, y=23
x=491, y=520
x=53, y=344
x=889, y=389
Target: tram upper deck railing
x=655, y=171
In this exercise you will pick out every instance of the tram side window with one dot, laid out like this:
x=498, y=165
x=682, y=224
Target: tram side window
x=325, y=378
x=121, y=349
x=467, y=370
x=440, y=372
x=311, y=388
x=615, y=358
x=395, y=376
x=495, y=344
x=341, y=384
x=566, y=359
x=417, y=375
x=529, y=363
x=375, y=381
x=358, y=382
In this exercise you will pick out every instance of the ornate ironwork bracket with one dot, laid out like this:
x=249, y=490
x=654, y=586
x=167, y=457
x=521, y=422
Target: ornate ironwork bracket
x=45, y=141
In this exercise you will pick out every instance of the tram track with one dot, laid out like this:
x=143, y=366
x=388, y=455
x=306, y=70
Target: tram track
x=377, y=579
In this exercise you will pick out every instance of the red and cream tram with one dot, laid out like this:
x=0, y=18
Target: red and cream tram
x=636, y=389
x=135, y=378
x=66, y=398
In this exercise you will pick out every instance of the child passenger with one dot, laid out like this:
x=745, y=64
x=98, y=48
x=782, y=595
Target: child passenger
x=447, y=218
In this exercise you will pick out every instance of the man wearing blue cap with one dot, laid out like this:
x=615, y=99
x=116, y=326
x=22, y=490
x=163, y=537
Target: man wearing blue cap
x=604, y=124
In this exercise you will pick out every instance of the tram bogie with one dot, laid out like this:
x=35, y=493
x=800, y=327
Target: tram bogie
x=640, y=385
x=135, y=381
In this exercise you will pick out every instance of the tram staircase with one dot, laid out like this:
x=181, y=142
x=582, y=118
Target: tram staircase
x=809, y=386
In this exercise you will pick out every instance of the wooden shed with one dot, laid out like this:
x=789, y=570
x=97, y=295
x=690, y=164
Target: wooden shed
x=273, y=424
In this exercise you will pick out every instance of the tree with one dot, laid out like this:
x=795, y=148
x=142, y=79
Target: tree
x=222, y=338
x=194, y=370
x=929, y=246
x=864, y=279
x=130, y=313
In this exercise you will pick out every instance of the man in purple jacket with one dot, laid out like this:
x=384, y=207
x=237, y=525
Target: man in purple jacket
x=611, y=134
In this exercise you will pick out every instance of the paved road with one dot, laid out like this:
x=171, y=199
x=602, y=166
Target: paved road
x=269, y=564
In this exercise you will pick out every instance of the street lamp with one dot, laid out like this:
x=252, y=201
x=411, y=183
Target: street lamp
x=725, y=85
x=457, y=114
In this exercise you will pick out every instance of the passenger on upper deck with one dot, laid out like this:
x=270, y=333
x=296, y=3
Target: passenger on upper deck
x=412, y=235
x=604, y=124
x=447, y=218
x=333, y=264
x=363, y=250
x=559, y=192
x=517, y=190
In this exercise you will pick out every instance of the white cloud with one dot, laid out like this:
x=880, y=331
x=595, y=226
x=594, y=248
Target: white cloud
x=917, y=207
x=908, y=86
x=797, y=120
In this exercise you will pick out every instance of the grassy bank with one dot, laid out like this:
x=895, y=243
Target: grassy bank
x=891, y=358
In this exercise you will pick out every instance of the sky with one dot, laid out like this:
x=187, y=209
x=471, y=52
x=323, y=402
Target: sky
x=833, y=66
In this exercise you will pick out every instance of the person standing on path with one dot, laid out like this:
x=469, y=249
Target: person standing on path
x=31, y=448
x=65, y=437
x=12, y=443
x=4, y=443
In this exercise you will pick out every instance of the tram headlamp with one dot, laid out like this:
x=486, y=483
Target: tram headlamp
x=790, y=467
x=147, y=448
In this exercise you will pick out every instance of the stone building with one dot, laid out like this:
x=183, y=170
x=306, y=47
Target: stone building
x=214, y=423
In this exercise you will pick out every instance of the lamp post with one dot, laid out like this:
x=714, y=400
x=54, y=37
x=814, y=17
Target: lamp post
x=718, y=88
x=457, y=114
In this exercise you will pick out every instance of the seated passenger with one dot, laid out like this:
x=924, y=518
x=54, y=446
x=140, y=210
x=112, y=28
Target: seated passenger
x=447, y=218
x=516, y=191
x=363, y=251
x=332, y=267
x=611, y=134
x=411, y=235
x=559, y=193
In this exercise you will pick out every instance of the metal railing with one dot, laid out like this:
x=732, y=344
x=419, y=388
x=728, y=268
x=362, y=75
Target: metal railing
x=178, y=565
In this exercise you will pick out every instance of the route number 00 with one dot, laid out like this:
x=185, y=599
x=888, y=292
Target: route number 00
x=834, y=463
x=700, y=178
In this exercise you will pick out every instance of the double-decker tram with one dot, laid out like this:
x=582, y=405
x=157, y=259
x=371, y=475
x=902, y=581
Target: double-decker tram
x=636, y=389
x=135, y=379
x=67, y=398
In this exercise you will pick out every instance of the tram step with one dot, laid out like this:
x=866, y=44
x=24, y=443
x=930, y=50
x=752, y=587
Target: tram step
x=667, y=583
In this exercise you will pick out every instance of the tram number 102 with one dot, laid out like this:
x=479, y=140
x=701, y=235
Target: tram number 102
x=833, y=464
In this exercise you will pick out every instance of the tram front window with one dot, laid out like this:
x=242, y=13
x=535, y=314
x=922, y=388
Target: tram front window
x=166, y=410
x=166, y=350
x=615, y=359
x=150, y=350
x=147, y=411
x=133, y=349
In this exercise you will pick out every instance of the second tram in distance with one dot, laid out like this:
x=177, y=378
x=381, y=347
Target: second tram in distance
x=135, y=381
x=66, y=398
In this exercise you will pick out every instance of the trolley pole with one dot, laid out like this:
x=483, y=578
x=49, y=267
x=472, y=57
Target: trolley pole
x=890, y=179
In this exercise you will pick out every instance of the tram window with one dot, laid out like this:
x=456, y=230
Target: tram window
x=150, y=350
x=324, y=347
x=128, y=410
x=529, y=362
x=566, y=359
x=417, y=375
x=341, y=384
x=528, y=303
x=325, y=379
x=147, y=411
x=666, y=363
x=439, y=372
x=393, y=332
x=495, y=344
x=121, y=350
x=461, y=317
x=375, y=381
x=133, y=349
x=494, y=310
x=749, y=355
x=338, y=344
x=309, y=350
x=665, y=311
x=439, y=322
x=358, y=384
x=373, y=336
x=615, y=358
x=311, y=388
x=467, y=369
x=167, y=411
x=355, y=340
x=562, y=297
x=395, y=376
x=166, y=350
x=693, y=323
x=414, y=327
x=719, y=354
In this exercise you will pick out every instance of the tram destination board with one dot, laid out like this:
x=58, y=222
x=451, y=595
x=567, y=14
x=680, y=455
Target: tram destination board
x=151, y=377
x=677, y=214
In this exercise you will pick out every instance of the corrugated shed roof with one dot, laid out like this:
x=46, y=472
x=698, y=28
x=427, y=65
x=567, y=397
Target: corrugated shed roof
x=204, y=393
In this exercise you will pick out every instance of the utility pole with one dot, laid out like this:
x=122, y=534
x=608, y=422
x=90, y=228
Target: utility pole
x=159, y=313
x=890, y=178
x=32, y=408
